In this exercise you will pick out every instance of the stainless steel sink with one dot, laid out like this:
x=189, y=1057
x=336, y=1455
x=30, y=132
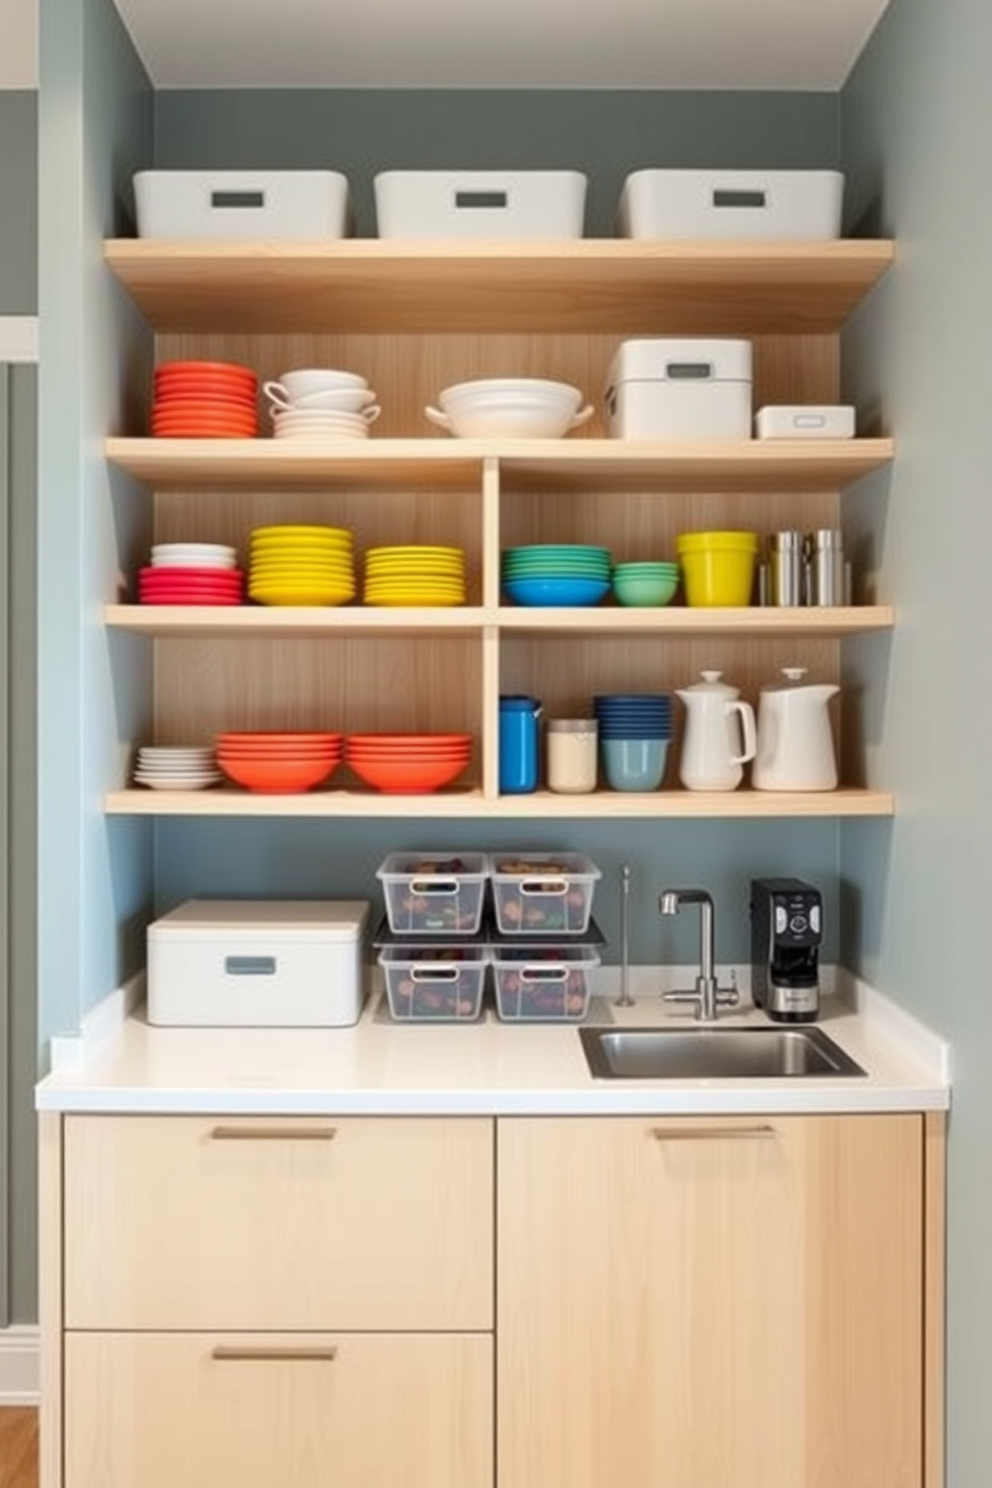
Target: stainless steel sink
x=713, y=1054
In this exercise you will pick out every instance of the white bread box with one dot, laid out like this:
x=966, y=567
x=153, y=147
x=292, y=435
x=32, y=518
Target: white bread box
x=731, y=204
x=679, y=389
x=242, y=204
x=258, y=963
x=480, y=204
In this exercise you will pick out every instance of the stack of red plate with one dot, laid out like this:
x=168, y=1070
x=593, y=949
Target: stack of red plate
x=171, y=585
x=408, y=764
x=279, y=763
x=204, y=400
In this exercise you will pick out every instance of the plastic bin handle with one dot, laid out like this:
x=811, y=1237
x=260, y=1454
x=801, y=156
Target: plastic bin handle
x=543, y=886
x=542, y=973
x=443, y=973
x=220, y=200
x=730, y=196
x=425, y=887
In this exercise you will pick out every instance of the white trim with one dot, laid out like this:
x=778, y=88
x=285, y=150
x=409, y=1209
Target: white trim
x=18, y=338
x=103, y=1021
x=898, y=1026
x=19, y=1365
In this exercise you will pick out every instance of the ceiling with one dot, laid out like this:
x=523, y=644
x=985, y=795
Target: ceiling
x=767, y=44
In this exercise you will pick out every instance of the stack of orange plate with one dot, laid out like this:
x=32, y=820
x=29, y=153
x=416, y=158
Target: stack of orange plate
x=204, y=400
x=415, y=575
x=279, y=763
x=301, y=565
x=408, y=764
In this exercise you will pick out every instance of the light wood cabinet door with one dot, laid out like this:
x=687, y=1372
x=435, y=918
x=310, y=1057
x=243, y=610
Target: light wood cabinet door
x=710, y=1303
x=223, y=1223
x=249, y=1411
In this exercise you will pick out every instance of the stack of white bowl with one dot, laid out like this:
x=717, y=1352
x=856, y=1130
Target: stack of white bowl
x=510, y=407
x=321, y=403
x=177, y=767
x=193, y=555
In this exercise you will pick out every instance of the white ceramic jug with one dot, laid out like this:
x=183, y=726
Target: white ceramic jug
x=711, y=759
x=795, y=740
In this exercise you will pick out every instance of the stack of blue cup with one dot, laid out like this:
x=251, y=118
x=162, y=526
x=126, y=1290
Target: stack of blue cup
x=634, y=733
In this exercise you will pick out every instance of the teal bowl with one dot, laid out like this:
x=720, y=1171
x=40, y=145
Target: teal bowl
x=645, y=590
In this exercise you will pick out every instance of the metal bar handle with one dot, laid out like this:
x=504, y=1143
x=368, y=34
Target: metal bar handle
x=245, y=1354
x=712, y=1133
x=273, y=1134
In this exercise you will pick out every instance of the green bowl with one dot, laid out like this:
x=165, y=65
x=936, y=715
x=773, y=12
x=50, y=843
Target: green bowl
x=644, y=591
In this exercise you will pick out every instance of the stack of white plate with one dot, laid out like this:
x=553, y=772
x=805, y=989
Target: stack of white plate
x=321, y=403
x=193, y=555
x=177, y=767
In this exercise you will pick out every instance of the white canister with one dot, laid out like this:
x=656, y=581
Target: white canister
x=683, y=388
x=572, y=755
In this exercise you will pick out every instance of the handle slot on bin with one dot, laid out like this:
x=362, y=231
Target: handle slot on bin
x=433, y=888
x=543, y=973
x=690, y=371
x=443, y=973
x=222, y=200
x=724, y=196
x=482, y=199
x=544, y=886
x=250, y=965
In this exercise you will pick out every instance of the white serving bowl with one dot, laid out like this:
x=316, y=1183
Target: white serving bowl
x=303, y=382
x=534, y=391
x=509, y=419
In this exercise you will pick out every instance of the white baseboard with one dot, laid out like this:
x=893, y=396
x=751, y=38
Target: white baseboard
x=19, y=1365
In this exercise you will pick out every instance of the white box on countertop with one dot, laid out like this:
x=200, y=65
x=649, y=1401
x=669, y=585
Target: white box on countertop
x=680, y=389
x=480, y=204
x=258, y=963
x=805, y=421
x=731, y=204
x=242, y=204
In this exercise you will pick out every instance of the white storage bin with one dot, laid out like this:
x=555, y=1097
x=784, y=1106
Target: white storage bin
x=264, y=963
x=731, y=204
x=242, y=204
x=805, y=421
x=480, y=204
x=434, y=893
x=680, y=389
x=543, y=893
x=434, y=984
x=551, y=985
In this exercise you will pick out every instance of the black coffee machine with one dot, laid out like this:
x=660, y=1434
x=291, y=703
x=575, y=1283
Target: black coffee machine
x=786, y=934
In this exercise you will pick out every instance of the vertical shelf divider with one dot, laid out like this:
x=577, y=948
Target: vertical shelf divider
x=490, y=632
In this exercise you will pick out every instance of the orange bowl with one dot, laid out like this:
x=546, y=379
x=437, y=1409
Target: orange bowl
x=407, y=777
x=278, y=777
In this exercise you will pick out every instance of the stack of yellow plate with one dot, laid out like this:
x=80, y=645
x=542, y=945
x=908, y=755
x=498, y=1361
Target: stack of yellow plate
x=415, y=575
x=301, y=565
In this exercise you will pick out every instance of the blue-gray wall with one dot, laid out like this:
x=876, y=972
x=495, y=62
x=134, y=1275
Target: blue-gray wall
x=916, y=125
x=18, y=202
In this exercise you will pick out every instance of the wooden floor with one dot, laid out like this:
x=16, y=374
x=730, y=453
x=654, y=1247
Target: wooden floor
x=18, y=1448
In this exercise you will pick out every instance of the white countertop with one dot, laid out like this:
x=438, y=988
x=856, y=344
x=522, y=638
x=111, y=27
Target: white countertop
x=488, y=1068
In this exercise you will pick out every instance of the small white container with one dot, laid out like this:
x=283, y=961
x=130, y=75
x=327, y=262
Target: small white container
x=242, y=204
x=731, y=204
x=680, y=389
x=480, y=204
x=805, y=421
x=242, y=963
x=573, y=755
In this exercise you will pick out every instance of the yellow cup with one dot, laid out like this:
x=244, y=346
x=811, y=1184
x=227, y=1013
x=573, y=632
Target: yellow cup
x=717, y=567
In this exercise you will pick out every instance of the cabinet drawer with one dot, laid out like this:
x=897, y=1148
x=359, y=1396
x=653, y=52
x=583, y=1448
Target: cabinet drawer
x=202, y=1410
x=221, y=1223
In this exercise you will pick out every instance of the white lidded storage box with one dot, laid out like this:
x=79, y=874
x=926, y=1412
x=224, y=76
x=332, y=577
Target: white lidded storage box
x=242, y=204
x=731, y=204
x=805, y=421
x=265, y=963
x=680, y=389
x=480, y=204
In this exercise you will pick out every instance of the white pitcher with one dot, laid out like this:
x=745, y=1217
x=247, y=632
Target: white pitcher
x=711, y=759
x=795, y=740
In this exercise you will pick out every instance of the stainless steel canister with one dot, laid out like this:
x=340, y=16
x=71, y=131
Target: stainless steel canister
x=785, y=569
x=824, y=567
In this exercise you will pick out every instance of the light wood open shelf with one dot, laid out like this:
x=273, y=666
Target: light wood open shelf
x=607, y=464
x=286, y=621
x=590, y=285
x=671, y=804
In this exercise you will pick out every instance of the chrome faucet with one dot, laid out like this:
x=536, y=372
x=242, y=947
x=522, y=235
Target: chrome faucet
x=707, y=996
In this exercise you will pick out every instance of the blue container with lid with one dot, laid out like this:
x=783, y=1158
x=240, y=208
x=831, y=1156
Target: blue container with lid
x=518, y=743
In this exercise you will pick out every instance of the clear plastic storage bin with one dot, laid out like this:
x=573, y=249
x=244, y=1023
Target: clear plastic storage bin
x=547, y=985
x=543, y=893
x=438, y=984
x=434, y=893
